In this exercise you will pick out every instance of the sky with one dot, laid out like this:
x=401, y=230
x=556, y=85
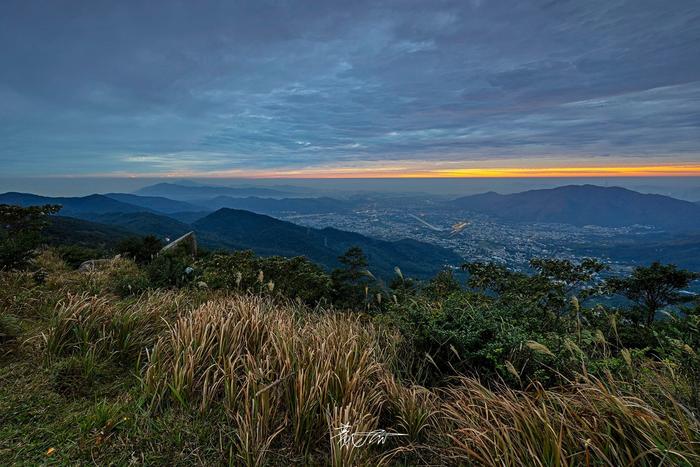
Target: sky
x=349, y=88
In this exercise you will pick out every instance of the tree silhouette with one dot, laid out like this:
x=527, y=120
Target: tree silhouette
x=20, y=229
x=653, y=287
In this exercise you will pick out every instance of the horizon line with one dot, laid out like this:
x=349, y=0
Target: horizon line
x=401, y=173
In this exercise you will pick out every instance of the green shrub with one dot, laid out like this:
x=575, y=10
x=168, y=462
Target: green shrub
x=295, y=278
x=465, y=333
x=76, y=374
x=140, y=249
x=353, y=287
x=170, y=270
x=10, y=327
x=127, y=278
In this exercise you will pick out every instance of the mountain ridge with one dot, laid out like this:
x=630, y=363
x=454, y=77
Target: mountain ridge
x=78, y=206
x=586, y=205
x=261, y=205
x=154, y=203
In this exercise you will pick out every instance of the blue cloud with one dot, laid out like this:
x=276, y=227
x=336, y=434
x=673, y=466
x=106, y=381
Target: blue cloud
x=172, y=85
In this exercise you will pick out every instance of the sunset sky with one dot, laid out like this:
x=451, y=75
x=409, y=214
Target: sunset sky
x=350, y=88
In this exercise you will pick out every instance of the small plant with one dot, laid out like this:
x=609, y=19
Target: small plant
x=10, y=327
x=415, y=409
x=75, y=375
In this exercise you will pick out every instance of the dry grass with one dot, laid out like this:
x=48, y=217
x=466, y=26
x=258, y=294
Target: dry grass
x=586, y=423
x=269, y=368
x=282, y=374
x=123, y=329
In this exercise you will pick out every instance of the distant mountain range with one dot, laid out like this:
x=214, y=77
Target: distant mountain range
x=92, y=206
x=586, y=205
x=284, y=205
x=154, y=203
x=226, y=221
x=196, y=192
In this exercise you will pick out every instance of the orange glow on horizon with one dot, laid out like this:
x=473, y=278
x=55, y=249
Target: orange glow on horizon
x=621, y=171
x=689, y=170
x=497, y=172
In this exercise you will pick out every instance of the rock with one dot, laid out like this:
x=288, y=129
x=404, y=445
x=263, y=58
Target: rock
x=93, y=264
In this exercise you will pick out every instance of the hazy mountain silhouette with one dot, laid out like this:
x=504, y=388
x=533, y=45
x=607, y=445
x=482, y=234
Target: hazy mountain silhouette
x=196, y=192
x=155, y=203
x=274, y=206
x=586, y=205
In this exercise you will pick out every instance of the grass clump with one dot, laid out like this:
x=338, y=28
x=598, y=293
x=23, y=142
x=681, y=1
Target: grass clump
x=587, y=423
x=267, y=367
x=119, y=330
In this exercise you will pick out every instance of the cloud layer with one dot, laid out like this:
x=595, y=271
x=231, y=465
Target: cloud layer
x=266, y=86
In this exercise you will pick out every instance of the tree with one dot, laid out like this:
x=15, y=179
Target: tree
x=571, y=278
x=653, y=288
x=546, y=295
x=491, y=277
x=351, y=282
x=442, y=285
x=20, y=232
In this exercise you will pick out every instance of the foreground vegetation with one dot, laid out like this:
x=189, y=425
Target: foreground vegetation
x=234, y=359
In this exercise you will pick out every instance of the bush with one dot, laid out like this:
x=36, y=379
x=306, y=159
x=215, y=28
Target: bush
x=140, y=249
x=465, y=333
x=49, y=261
x=85, y=324
x=269, y=367
x=170, y=270
x=353, y=287
x=126, y=278
x=295, y=278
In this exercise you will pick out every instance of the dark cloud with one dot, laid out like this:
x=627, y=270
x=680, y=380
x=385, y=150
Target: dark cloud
x=93, y=87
